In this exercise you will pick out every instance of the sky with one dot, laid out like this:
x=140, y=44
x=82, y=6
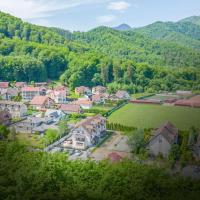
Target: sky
x=83, y=15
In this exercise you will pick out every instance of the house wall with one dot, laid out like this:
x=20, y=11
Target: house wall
x=159, y=145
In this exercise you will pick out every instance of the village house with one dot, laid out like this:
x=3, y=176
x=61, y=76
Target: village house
x=82, y=90
x=122, y=95
x=87, y=133
x=34, y=124
x=98, y=99
x=71, y=108
x=4, y=85
x=162, y=140
x=5, y=117
x=98, y=90
x=20, y=84
x=16, y=109
x=83, y=103
x=9, y=93
x=58, y=95
x=28, y=93
x=42, y=102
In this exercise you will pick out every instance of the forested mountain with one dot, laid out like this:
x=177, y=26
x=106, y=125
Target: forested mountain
x=193, y=19
x=134, y=60
x=183, y=33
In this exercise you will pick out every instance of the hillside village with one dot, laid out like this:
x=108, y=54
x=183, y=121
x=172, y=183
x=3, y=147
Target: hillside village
x=38, y=108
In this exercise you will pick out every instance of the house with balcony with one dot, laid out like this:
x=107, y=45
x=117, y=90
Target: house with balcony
x=9, y=93
x=29, y=92
x=16, y=109
x=86, y=133
x=58, y=95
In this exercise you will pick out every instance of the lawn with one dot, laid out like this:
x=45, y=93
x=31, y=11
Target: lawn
x=151, y=116
x=30, y=140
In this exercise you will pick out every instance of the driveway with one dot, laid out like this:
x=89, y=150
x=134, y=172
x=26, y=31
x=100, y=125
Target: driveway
x=116, y=143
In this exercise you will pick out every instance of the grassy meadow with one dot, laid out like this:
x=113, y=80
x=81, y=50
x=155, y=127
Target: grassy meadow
x=151, y=116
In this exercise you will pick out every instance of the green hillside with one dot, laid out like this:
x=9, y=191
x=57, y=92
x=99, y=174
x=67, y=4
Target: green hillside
x=183, y=33
x=129, y=60
x=192, y=19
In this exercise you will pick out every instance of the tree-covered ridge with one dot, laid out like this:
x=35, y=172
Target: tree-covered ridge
x=13, y=27
x=26, y=175
x=132, y=45
x=117, y=59
x=26, y=61
x=192, y=19
x=184, y=33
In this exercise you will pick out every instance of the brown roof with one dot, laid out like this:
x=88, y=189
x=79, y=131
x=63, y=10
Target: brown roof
x=90, y=122
x=168, y=131
x=39, y=100
x=70, y=108
x=83, y=102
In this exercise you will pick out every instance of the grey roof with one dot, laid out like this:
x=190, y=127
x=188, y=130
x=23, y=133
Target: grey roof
x=168, y=131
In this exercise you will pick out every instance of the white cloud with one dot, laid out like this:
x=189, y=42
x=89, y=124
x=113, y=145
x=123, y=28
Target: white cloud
x=118, y=5
x=29, y=9
x=106, y=19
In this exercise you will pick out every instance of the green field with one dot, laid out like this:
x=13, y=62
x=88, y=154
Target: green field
x=151, y=116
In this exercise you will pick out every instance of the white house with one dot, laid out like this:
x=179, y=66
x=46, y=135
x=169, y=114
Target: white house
x=59, y=95
x=162, y=140
x=87, y=133
x=28, y=93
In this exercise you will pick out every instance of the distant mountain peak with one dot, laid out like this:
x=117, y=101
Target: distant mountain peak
x=122, y=27
x=192, y=19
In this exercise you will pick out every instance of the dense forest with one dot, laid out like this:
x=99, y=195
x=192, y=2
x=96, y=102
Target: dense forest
x=26, y=175
x=161, y=56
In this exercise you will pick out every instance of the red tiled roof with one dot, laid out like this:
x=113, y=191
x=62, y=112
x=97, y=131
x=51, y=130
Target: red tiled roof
x=31, y=89
x=39, y=100
x=83, y=102
x=70, y=108
x=4, y=84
